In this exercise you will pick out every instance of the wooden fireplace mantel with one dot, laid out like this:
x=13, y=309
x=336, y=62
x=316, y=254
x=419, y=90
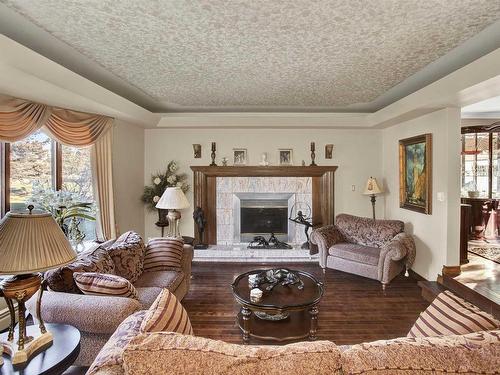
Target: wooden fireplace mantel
x=205, y=190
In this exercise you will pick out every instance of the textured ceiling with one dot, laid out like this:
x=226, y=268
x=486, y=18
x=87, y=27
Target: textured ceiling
x=216, y=54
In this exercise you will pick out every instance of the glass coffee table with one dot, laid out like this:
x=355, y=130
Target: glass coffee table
x=284, y=313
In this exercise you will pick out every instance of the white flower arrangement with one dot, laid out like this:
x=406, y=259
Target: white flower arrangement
x=160, y=181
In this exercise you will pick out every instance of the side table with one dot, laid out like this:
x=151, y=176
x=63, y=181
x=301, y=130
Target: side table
x=56, y=359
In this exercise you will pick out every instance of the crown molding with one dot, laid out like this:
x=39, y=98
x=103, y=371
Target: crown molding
x=264, y=120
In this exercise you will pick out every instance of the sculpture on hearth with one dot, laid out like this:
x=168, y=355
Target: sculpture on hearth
x=302, y=219
x=199, y=219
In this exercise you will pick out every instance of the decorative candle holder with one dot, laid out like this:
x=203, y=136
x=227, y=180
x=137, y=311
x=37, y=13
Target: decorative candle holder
x=313, y=154
x=213, y=164
x=256, y=295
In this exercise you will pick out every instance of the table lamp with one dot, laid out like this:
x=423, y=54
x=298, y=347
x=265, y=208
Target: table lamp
x=30, y=243
x=173, y=199
x=372, y=189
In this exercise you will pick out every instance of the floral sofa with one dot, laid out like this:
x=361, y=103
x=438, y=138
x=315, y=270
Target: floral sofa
x=378, y=249
x=96, y=316
x=132, y=351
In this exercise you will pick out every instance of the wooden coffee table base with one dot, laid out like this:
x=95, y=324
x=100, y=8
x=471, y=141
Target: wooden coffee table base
x=298, y=326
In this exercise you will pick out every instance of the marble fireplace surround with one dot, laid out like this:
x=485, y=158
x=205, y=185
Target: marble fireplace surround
x=205, y=190
x=230, y=190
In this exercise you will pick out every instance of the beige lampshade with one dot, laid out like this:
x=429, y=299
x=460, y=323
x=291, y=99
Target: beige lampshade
x=32, y=243
x=173, y=199
x=372, y=187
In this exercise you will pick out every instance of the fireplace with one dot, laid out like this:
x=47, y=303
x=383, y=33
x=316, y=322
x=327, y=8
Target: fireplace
x=260, y=214
x=214, y=186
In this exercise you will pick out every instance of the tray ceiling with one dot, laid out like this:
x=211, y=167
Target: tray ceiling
x=259, y=55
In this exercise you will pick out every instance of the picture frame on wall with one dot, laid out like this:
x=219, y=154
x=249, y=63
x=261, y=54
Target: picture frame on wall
x=240, y=156
x=285, y=156
x=415, y=173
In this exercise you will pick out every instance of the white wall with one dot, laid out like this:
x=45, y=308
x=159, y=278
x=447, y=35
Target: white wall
x=357, y=154
x=436, y=235
x=128, y=175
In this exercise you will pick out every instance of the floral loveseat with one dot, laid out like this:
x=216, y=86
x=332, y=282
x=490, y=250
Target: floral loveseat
x=96, y=316
x=378, y=249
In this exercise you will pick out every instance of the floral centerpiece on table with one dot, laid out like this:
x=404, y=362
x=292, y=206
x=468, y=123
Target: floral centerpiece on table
x=66, y=207
x=159, y=182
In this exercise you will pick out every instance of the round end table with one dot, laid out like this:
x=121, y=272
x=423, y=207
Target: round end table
x=56, y=359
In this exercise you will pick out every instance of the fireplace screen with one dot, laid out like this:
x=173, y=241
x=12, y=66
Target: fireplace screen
x=263, y=217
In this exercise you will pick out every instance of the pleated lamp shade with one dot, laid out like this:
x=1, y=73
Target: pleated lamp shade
x=173, y=199
x=32, y=243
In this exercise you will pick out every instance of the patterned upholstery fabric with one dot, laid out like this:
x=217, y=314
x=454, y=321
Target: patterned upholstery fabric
x=99, y=284
x=356, y=253
x=366, y=231
x=162, y=279
x=325, y=238
x=95, y=259
x=128, y=255
x=166, y=314
x=401, y=246
x=163, y=254
x=147, y=295
x=474, y=353
x=377, y=249
x=110, y=356
x=449, y=314
x=170, y=353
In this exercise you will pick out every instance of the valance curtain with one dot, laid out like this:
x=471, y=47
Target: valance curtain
x=19, y=118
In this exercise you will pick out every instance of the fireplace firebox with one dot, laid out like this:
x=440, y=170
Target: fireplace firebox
x=260, y=214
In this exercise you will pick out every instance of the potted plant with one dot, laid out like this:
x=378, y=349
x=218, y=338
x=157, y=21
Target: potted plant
x=63, y=206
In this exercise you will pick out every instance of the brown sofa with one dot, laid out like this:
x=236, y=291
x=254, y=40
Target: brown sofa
x=131, y=352
x=377, y=249
x=97, y=317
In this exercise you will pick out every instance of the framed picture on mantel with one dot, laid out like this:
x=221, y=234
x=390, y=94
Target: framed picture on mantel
x=415, y=173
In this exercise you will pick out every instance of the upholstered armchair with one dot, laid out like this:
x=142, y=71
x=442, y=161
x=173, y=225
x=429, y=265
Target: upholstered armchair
x=377, y=249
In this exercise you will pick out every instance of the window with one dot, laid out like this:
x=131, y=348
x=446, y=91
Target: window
x=77, y=179
x=39, y=161
x=77, y=172
x=31, y=163
x=480, y=163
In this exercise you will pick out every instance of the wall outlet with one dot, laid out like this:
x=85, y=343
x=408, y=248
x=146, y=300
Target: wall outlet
x=353, y=187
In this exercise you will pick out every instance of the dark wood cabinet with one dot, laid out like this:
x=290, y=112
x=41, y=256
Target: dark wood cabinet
x=465, y=231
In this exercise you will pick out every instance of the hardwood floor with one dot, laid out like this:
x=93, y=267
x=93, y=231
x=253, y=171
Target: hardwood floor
x=353, y=310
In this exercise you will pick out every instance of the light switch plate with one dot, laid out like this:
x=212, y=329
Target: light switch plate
x=441, y=196
x=353, y=187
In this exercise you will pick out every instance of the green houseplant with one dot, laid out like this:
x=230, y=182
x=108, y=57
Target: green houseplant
x=64, y=206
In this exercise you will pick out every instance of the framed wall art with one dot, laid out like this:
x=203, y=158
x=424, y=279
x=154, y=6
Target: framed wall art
x=239, y=156
x=285, y=156
x=415, y=173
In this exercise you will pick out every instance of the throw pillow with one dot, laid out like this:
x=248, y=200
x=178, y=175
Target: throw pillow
x=166, y=314
x=163, y=254
x=99, y=284
x=127, y=253
x=449, y=314
x=95, y=259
